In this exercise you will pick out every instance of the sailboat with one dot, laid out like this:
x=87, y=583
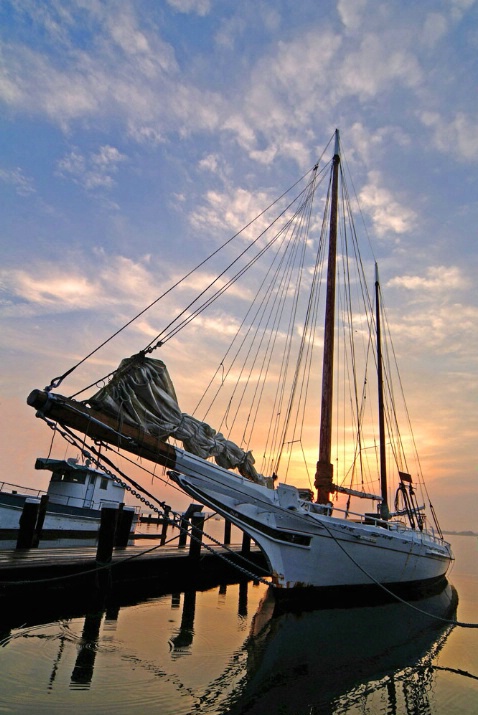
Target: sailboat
x=309, y=537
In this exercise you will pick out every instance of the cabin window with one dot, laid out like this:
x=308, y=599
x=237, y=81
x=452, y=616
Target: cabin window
x=70, y=477
x=104, y=483
x=92, y=478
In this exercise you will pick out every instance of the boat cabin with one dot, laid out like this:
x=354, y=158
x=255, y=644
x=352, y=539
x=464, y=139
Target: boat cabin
x=79, y=485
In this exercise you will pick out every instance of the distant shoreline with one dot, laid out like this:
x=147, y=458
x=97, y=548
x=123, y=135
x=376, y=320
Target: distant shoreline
x=460, y=533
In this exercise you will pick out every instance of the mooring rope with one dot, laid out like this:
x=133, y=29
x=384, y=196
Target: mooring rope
x=395, y=595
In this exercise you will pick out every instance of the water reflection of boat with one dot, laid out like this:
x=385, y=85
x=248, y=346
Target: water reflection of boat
x=330, y=660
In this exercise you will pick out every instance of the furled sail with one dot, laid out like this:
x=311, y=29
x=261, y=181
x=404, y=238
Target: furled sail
x=141, y=393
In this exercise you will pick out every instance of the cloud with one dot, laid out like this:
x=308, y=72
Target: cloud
x=363, y=142
x=437, y=278
x=388, y=215
x=434, y=29
x=107, y=281
x=457, y=136
x=439, y=329
x=378, y=64
x=93, y=171
x=200, y=7
x=230, y=210
x=351, y=12
x=22, y=184
x=124, y=70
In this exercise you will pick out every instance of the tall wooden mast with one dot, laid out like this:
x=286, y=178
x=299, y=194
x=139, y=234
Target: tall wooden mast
x=384, y=511
x=325, y=468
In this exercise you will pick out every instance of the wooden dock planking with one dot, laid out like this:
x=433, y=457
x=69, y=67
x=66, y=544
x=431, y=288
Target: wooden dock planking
x=137, y=561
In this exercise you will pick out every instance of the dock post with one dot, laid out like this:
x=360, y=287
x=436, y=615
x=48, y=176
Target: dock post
x=184, y=523
x=123, y=527
x=40, y=520
x=164, y=530
x=197, y=532
x=28, y=522
x=246, y=544
x=183, y=533
x=227, y=531
x=106, y=535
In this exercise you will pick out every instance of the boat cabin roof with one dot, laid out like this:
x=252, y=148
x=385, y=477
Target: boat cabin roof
x=69, y=465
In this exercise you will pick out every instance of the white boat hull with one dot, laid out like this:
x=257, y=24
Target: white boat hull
x=306, y=548
x=59, y=519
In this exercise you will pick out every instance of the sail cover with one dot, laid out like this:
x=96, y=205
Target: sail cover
x=141, y=393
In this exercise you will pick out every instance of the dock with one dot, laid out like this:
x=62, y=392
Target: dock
x=30, y=566
x=118, y=567
x=38, y=585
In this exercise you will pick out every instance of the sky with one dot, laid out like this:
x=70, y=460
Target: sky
x=138, y=136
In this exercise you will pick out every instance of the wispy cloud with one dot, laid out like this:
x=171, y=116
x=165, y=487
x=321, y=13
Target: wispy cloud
x=22, y=184
x=436, y=278
x=97, y=284
x=93, y=171
x=199, y=7
x=127, y=71
x=457, y=136
x=388, y=215
x=231, y=209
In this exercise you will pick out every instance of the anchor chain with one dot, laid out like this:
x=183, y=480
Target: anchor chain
x=177, y=519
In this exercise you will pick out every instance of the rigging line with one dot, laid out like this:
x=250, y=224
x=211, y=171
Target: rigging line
x=369, y=312
x=274, y=289
x=394, y=595
x=270, y=293
x=344, y=163
x=205, y=305
x=278, y=436
x=219, y=292
x=56, y=381
x=264, y=381
x=260, y=308
x=282, y=293
x=298, y=230
x=392, y=418
x=259, y=329
x=313, y=299
x=302, y=346
x=350, y=354
x=73, y=439
x=422, y=483
x=229, y=349
x=311, y=328
x=454, y=671
x=248, y=247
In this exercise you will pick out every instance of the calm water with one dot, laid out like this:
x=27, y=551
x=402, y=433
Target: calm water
x=221, y=651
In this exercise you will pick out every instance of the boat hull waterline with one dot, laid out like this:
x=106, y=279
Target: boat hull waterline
x=305, y=548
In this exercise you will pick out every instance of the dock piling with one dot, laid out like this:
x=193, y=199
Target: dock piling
x=106, y=535
x=184, y=523
x=227, y=531
x=164, y=530
x=28, y=522
x=123, y=526
x=197, y=532
x=40, y=520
